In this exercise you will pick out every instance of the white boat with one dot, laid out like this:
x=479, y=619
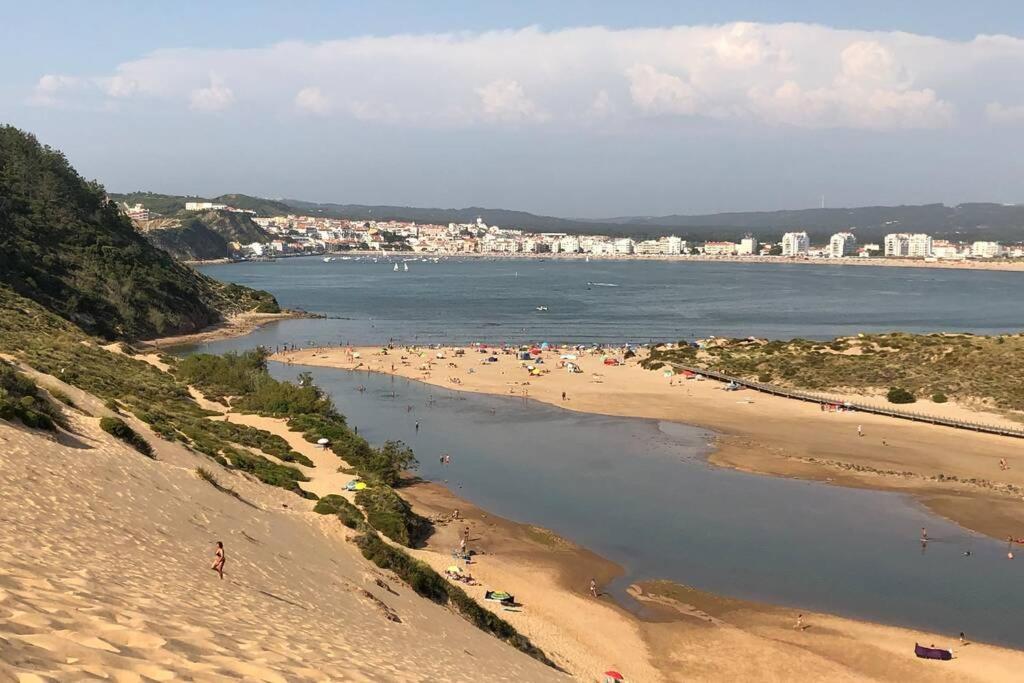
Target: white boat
x=588, y=258
x=405, y=267
x=396, y=268
x=327, y=259
x=542, y=308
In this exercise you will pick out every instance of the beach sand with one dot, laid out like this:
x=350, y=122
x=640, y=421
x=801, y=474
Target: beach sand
x=756, y=432
x=105, y=574
x=237, y=325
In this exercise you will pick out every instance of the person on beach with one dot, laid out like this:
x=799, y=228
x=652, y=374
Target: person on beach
x=1002, y=464
x=563, y=395
x=860, y=430
x=924, y=535
x=799, y=625
x=218, y=561
x=593, y=588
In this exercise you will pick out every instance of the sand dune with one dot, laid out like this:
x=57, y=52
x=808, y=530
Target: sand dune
x=105, y=560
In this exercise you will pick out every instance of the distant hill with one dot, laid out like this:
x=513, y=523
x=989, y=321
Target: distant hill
x=202, y=236
x=169, y=204
x=63, y=245
x=967, y=222
x=189, y=241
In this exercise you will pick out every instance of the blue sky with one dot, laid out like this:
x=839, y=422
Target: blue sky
x=670, y=107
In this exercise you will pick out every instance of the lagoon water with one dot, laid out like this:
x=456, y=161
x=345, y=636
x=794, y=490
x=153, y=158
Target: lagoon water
x=638, y=491
x=469, y=300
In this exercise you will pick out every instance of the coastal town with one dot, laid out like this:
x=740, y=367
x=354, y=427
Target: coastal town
x=291, y=235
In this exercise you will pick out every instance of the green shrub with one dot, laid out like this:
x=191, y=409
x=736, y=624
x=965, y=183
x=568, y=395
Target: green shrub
x=389, y=514
x=939, y=397
x=900, y=395
x=62, y=397
x=119, y=429
x=334, y=504
x=21, y=399
x=429, y=584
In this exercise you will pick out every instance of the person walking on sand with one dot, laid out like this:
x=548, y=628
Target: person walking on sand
x=563, y=395
x=218, y=561
x=593, y=588
x=860, y=430
x=1002, y=464
x=799, y=625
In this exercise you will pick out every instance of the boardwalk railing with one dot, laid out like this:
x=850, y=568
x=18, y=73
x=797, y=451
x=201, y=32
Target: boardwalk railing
x=852, y=405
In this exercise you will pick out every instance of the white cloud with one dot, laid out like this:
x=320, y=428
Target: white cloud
x=214, y=97
x=657, y=92
x=776, y=74
x=997, y=112
x=312, y=100
x=505, y=100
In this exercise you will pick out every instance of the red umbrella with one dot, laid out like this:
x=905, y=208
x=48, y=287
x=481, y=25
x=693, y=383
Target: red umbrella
x=614, y=675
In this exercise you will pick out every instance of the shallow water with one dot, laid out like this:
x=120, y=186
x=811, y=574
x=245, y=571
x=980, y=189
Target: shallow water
x=496, y=300
x=640, y=492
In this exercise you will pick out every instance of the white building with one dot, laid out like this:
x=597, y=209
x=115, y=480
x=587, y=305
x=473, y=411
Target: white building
x=795, y=243
x=648, y=247
x=623, y=245
x=897, y=244
x=204, y=206
x=842, y=244
x=747, y=247
x=136, y=213
x=569, y=244
x=719, y=248
x=920, y=245
x=986, y=250
x=674, y=246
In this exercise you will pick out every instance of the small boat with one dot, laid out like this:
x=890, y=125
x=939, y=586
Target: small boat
x=932, y=652
x=405, y=267
x=542, y=308
x=396, y=268
x=327, y=259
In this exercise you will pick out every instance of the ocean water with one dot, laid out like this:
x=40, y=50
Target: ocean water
x=616, y=301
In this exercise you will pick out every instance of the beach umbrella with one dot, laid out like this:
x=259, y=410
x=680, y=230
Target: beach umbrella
x=613, y=676
x=323, y=442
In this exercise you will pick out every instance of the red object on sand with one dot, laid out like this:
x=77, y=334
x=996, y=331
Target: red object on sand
x=614, y=675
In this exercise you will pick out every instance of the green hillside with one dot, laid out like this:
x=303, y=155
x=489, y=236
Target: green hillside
x=65, y=246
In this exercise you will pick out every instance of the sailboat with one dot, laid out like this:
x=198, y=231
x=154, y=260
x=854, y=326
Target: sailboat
x=396, y=268
x=588, y=258
x=405, y=267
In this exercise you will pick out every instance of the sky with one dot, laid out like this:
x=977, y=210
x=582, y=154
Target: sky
x=568, y=108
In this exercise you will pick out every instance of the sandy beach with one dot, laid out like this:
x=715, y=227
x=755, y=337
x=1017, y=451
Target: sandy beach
x=757, y=432
x=237, y=325
x=104, y=576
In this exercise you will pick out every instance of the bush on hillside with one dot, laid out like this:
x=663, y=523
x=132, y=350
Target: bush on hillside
x=119, y=429
x=388, y=513
x=21, y=399
x=939, y=397
x=429, y=584
x=334, y=504
x=900, y=395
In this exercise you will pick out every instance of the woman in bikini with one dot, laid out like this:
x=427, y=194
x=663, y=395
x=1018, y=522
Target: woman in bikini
x=218, y=562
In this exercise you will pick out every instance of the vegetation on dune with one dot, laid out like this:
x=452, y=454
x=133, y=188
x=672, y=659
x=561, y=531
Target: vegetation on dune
x=54, y=346
x=242, y=380
x=339, y=506
x=21, y=399
x=388, y=513
x=119, y=429
x=64, y=245
x=963, y=367
x=431, y=585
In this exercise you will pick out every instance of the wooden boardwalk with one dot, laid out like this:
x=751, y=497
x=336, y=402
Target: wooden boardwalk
x=852, y=405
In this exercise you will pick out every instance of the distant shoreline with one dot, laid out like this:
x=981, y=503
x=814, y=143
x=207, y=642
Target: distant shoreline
x=997, y=265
